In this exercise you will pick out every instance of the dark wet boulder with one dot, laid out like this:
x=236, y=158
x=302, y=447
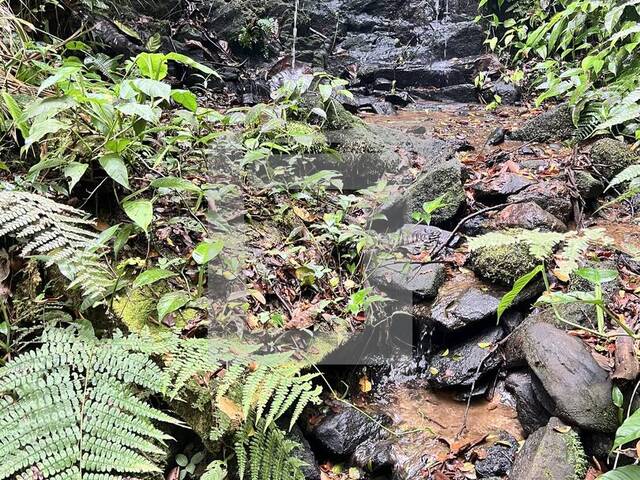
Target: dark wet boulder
x=553, y=196
x=463, y=93
x=502, y=264
x=588, y=187
x=461, y=365
x=420, y=279
x=373, y=455
x=554, y=124
x=463, y=302
x=341, y=433
x=531, y=413
x=499, y=457
x=553, y=452
x=564, y=366
x=497, y=189
x=527, y=215
x=609, y=157
x=508, y=92
x=311, y=471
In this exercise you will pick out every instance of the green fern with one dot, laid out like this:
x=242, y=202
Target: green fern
x=629, y=174
x=266, y=454
x=70, y=409
x=541, y=244
x=58, y=234
x=591, y=115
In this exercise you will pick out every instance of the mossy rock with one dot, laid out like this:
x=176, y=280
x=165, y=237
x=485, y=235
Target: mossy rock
x=555, y=124
x=137, y=311
x=609, y=157
x=554, y=452
x=504, y=263
x=588, y=187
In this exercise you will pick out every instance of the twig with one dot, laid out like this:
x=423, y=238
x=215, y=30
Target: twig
x=460, y=224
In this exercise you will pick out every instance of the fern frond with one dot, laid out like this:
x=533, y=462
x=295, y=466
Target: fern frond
x=628, y=174
x=592, y=115
x=57, y=233
x=541, y=244
x=70, y=409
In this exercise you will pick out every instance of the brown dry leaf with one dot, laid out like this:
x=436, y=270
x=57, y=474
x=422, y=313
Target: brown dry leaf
x=365, y=384
x=303, y=214
x=230, y=408
x=302, y=317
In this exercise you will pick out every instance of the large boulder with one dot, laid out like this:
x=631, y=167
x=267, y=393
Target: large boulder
x=554, y=452
x=527, y=215
x=502, y=264
x=531, y=413
x=421, y=279
x=341, y=433
x=464, y=364
x=564, y=367
x=554, y=124
x=552, y=196
x=609, y=157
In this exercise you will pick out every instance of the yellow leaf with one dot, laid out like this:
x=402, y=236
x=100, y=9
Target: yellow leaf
x=303, y=213
x=230, y=408
x=365, y=385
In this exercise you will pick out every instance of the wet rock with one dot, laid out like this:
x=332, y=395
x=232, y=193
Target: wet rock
x=531, y=413
x=464, y=302
x=564, y=366
x=465, y=93
x=341, y=433
x=576, y=313
x=502, y=264
x=508, y=92
x=499, y=457
x=527, y=215
x=497, y=189
x=420, y=279
x=609, y=157
x=466, y=362
x=311, y=471
x=553, y=452
x=588, y=187
x=552, y=195
x=497, y=136
x=373, y=455
x=555, y=124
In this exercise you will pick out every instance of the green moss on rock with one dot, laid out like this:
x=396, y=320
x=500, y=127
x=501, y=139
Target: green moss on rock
x=555, y=124
x=609, y=157
x=504, y=263
x=137, y=310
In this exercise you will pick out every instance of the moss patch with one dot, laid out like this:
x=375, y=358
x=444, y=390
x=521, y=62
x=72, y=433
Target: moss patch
x=503, y=264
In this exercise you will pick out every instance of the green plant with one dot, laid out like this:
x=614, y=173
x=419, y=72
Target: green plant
x=428, y=208
x=58, y=234
x=188, y=465
x=71, y=408
x=579, y=50
x=630, y=472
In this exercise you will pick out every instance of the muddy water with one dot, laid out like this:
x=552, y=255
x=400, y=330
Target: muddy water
x=431, y=427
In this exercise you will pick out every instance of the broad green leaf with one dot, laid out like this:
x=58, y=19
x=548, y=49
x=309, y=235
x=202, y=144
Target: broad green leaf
x=126, y=29
x=140, y=211
x=152, y=88
x=626, y=175
x=597, y=276
x=190, y=62
x=40, y=129
x=629, y=431
x=325, y=91
x=207, y=251
x=175, y=183
x=185, y=98
x=151, y=276
x=141, y=110
x=152, y=65
x=16, y=114
x=518, y=286
x=74, y=171
x=115, y=168
x=630, y=472
x=61, y=74
x=48, y=107
x=171, y=302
